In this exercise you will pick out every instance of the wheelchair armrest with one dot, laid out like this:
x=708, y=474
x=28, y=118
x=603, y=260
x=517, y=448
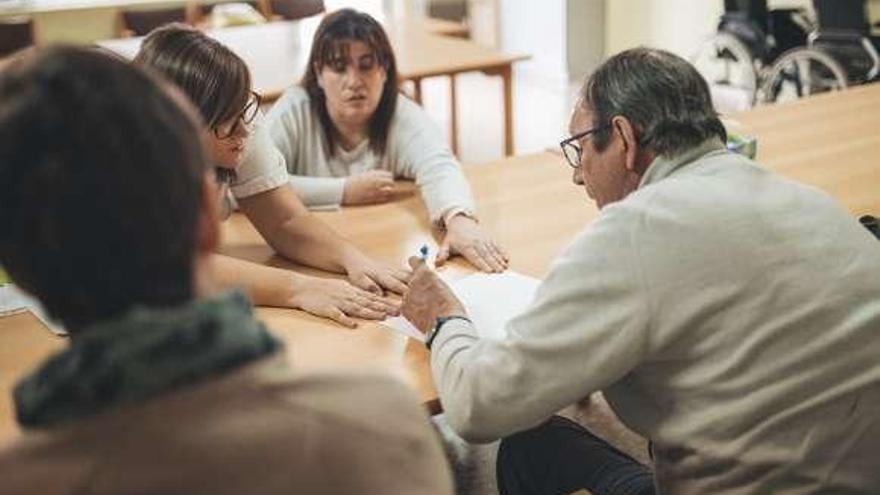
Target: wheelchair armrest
x=835, y=35
x=846, y=36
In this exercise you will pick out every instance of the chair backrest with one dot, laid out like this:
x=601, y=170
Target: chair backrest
x=141, y=22
x=450, y=10
x=202, y=14
x=748, y=21
x=296, y=9
x=754, y=10
x=204, y=10
x=848, y=15
x=15, y=35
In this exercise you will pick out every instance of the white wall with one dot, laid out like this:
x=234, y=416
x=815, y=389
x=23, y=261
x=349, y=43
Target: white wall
x=564, y=37
x=537, y=28
x=585, y=38
x=483, y=22
x=674, y=25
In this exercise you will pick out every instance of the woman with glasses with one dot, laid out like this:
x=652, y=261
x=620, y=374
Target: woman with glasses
x=346, y=133
x=253, y=175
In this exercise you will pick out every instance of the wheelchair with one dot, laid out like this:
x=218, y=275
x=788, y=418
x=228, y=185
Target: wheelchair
x=777, y=55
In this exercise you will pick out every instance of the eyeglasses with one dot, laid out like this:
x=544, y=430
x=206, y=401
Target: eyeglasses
x=570, y=147
x=246, y=117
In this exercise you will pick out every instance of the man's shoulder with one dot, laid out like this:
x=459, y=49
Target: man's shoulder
x=327, y=389
x=259, y=418
x=341, y=398
x=723, y=183
x=320, y=404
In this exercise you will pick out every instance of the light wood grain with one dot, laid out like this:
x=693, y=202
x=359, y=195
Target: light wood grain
x=831, y=141
x=24, y=343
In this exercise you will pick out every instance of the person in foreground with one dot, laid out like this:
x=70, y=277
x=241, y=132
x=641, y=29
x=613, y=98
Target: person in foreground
x=166, y=386
x=346, y=132
x=218, y=83
x=728, y=314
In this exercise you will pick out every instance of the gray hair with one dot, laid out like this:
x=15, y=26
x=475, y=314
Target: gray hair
x=664, y=97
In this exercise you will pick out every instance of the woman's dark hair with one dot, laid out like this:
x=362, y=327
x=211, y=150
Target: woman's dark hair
x=214, y=78
x=335, y=32
x=101, y=173
x=662, y=94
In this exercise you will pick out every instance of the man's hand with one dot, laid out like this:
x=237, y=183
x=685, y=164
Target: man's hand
x=465, y=237
x=373, y=186
x=339, y=300
x=375, y=276
x=428, y=298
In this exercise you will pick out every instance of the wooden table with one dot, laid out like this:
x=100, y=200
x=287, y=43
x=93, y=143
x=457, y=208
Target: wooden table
x=509, y=191
x=831, y=141
x=529, y=203
x=277, y=53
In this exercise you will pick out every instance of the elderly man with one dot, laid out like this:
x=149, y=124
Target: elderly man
x=729, y=315
x=166, y=386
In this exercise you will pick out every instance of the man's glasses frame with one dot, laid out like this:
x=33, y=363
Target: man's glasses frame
x=572, y=151
x=246, y=117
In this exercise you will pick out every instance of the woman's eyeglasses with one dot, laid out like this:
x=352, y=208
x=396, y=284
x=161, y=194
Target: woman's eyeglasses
x=572, y=150
x=246, y=117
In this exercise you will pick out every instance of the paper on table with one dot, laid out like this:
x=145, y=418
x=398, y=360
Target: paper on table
x=14, y=301
x=325, y=207
x=491, y=300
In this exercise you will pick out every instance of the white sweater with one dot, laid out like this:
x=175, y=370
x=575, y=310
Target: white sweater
x=730, y=315
x=415, y=150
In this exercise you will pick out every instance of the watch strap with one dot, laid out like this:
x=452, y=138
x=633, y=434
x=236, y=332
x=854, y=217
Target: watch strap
x=439, y=324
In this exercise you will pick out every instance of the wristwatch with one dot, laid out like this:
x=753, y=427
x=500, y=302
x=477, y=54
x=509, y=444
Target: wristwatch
x=438, y=324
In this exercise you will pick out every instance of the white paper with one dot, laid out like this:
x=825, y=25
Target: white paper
x=13, y=301
x=490, y=299
x=402, y=325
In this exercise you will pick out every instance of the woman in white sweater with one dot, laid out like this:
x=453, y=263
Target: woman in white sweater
x=346, y=133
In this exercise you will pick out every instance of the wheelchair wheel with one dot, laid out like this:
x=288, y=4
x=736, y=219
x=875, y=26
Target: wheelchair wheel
x=802, y=72
x=727, y=65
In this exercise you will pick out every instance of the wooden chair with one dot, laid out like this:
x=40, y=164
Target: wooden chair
x=204, y=11
x=141, y=22
x=450, y=10
x=15, y=35
x=291, y=10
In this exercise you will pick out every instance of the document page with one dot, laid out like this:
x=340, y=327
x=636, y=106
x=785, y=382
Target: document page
x=14, y=301
x=491, y=300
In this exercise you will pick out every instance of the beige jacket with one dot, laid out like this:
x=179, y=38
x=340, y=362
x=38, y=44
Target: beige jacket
x=728, y=314
x=256, y=430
